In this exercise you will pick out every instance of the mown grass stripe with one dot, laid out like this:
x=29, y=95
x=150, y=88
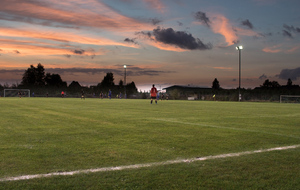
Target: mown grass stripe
x=147, y=165
x=222, y=127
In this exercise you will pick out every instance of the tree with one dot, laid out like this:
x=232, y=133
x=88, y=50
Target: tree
x=34, y=76
x=108, y=81
x=75, y=85
x=270, y=84
x=267, y=83
x=275, y=84
x=121, y=84
x=215, y=84
x=29, y=76
x=289, y=82
x=131, y=88
x=54, y=80
x=40, y=75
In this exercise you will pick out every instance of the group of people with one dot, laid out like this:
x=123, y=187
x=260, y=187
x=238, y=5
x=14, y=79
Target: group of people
x=153, y=94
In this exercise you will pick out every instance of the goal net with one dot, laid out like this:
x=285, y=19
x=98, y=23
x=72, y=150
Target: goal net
x=289, y=99
x=16, y=93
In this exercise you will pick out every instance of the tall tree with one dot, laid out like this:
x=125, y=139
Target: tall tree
x=29, y=76
x=108, y=81
x=54, y=80
x=216, y=84
x=34, y=76
x=131, y=88
x=289, y=82
x=40, y=75
x=75, y=85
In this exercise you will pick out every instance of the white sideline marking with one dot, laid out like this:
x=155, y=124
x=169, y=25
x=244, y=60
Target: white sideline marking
x=137, y=166
x=222, y=127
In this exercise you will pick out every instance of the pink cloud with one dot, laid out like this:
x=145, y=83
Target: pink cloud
x=156, y=4
x=224, y=68
x=221, y=25
x=25, y=47
x=273, y=49
x=293, y=49
x=71, y=13
x=60, y=37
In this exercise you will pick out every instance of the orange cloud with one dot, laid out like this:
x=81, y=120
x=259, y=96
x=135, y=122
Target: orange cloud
x=221, y=25
x=223, y=68
x=273, y=49
x=60, y=36
x=292, y=50
x=69, y=13
x=26, y=48
x=166, y=47
x=245, y=32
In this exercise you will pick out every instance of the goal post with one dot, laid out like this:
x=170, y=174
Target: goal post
x=16, y=93
x=289, y=98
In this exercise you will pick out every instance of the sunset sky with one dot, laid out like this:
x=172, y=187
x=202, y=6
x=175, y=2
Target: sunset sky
x=162, y=42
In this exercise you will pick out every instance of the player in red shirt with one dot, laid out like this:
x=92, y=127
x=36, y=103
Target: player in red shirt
x=153, y=94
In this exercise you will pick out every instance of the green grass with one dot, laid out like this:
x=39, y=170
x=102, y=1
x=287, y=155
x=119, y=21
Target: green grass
x=44, y=135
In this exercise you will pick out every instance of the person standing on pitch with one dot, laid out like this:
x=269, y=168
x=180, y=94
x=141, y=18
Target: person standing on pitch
x=153, y=93
x=82, y=95
x=109, y=94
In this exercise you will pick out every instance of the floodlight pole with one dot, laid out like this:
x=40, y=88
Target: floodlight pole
x=125, y=80
x=239, y=48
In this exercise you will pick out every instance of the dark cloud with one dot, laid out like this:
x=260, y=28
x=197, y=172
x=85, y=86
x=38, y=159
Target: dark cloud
x=201, y=17
x=262, y=77
x=247, y=23
x=130, y=40
x=179, y=38
x=143, y=34
x=81, y=52
x=287, y=33
x=262, y=35
x=289, y=30
x=293, y=74
x=155, y=21
x=78, y=51
x=68, y=55
x=179, y=23
x=16, y=51
x=265, y=34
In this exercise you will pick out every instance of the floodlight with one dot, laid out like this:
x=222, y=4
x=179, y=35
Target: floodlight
x=239, y=47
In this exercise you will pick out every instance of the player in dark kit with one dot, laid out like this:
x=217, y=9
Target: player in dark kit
x=82, y=95
x=153, y=94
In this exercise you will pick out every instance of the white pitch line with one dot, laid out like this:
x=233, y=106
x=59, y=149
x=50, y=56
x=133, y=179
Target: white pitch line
x=147, y=165
x=222, y=127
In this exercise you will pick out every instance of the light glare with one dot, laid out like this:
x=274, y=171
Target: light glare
x=239, y=47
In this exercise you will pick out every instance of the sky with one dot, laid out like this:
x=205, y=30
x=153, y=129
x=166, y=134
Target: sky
x=162, y=42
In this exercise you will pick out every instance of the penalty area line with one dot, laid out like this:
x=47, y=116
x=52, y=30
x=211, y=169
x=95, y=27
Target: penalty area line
x=147, y=165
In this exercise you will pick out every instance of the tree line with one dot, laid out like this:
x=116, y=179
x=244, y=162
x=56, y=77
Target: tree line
x=41, y=83
x=268, y=91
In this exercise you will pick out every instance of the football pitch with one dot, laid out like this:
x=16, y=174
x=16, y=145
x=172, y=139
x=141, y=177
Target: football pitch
x=69, y=143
